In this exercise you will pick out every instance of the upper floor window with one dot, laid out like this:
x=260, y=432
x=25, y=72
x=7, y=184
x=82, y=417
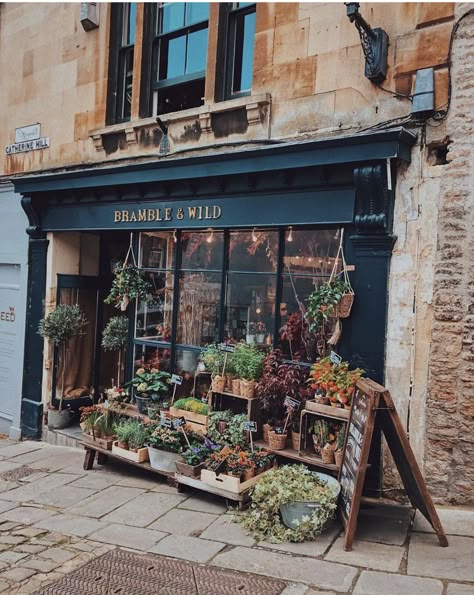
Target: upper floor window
x=122, y=43
x=240, y=45
x=179, y=56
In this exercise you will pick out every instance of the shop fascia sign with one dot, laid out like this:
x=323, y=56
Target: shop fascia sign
x=27, y=138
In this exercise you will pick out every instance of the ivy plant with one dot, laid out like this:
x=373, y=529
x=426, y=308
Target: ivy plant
x=128, y=284
x=323, y=301
x=290, y=483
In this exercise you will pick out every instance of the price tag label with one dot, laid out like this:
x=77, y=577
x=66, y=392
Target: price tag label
x=175, y=379
x=335, y=358
x=166, y=422
x=293, y=403
x=220, y=467
x=178, y=422
x=250, y=426
x=225, y=347
x=350, y=267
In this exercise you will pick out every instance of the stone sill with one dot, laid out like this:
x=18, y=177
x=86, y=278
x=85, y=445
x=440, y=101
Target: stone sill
x=257, y=108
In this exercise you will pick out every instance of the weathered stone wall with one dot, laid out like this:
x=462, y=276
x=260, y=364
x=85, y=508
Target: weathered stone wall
x=449, y=450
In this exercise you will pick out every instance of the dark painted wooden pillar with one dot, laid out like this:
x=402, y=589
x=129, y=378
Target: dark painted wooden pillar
x=32, y=406
x=370, y=250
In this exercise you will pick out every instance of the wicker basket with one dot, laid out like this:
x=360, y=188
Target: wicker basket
x=295, y=440
x=339, y=456
x=228, y=382
x=277, y=441
x=247, y=388
x=218, y=384
x=343, y=308
x=236, y=386
x=265, y=430
x=327, y=455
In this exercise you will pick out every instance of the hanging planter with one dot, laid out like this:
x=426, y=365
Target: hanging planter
x=129, y=283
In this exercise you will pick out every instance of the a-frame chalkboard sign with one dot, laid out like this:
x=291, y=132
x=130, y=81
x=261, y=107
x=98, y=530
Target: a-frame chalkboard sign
x=371, y=401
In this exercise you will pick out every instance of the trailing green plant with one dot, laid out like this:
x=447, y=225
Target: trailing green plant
x=213, y=359
x=340, y=438
x=323, y=301
x=128, y=284
x=290, y=483
x=192, y=404
x=247, y=361
x=233, y=434
x=139, y=436
x=59, y=327
x=115, y=338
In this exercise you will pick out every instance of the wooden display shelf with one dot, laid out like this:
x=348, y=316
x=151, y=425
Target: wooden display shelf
x=227, y=394
x=183, y=480
x=305, y=457
x=327, y=410
x=127, y=411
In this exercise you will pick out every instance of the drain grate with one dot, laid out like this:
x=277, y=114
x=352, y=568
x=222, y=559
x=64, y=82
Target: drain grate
x=20, y=473
x=125, y=573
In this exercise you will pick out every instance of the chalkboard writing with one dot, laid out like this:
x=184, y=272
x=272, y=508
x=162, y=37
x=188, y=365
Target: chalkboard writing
x=166, y=422
x=353, y=450
x=225, y=347
x=175, y=379
x=178, y=422
x=293, y=403
x=250, y=426
x=335, y=358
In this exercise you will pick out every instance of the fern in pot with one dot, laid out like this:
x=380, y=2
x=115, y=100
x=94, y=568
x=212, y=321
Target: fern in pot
x=59, y=327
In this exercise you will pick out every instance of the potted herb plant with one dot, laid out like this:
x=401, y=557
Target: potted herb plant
x=164, y=446
x=296, y=432
x=339, y=453
x=213, y=359
x=150, y=385
x=114, y=338
x=128, y=284
x=59, y=327
x=323, y=435
x=132, y=436
x=248, y=366
x=193, y=410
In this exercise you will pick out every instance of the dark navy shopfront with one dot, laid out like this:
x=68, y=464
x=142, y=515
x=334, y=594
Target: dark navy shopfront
x=226, y=239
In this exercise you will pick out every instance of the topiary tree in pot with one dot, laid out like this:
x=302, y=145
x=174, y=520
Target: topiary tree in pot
x=114, y=338
x=59, y=327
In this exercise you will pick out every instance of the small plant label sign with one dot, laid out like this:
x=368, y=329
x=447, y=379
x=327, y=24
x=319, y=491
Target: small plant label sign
x=178, y=422
x=226, y=348
x=250, y=426
x=293, y=403
x=335, y=358
x=166, y=422
x=176, y=379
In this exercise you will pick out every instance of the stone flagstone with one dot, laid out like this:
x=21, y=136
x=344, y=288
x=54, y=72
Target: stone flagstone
x=187, y=548
x=144, y=509
x=317, y=547
x=183, y=522
x=104, y=502
x=64, y=496
x=225, y=530
x=126, y=536
x=454, y=521
x=205, y=503
x=381, y=583
x=324, y=575
x=20, y=448
x=27, y=515
x=458, y=589
x=29, y=491
x=367, y=554
x=8, y=466
x=384, y=523
x=71, y=525
x=427, y=558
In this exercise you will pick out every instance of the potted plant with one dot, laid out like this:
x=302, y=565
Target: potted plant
x=339, y=453
x=128, y=284
x=59, y=327
x=291, y=503
x=323, y=301
x=225, y=427
x=150, y=384
x=213, y=359
x=114, y=338
x=248, y=365
x=193, y=410
x=132, y=436
x=323, y=435
x=262, y=459
x=164, y=446
x=194, y=458
x=277, y=438
x=261, y=331
x=296, y=432
x=250, y=332
x=336, y=380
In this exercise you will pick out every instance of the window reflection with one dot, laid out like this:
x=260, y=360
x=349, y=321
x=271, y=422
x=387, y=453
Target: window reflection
x=153, y=356
x=253, y=250
x=311, y=251
x=155, y=312
x=202, y=250
x=198, y=314
x=157, y=250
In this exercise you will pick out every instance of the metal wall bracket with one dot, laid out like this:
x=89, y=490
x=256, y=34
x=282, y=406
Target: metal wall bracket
x=374, y=44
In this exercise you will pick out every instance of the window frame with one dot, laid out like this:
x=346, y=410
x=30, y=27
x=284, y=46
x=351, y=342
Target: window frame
x=232, y=14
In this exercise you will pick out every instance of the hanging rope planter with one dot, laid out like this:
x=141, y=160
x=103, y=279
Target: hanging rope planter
x=343, y=307
x=129, y=283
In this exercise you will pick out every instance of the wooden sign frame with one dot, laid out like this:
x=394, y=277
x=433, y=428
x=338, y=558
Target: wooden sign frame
x=379, y=405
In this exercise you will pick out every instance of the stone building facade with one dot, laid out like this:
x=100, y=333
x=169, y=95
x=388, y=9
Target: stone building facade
x=308, y=83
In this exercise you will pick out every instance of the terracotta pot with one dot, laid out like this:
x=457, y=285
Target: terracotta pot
x=247, y=388
x=236, y=386
x=123, y=445
x=335, y=404
x=321, y=400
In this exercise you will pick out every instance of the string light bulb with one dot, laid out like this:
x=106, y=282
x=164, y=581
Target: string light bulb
x=175, y=239
x=290, y=234
x=210, y=237
x=254, y=235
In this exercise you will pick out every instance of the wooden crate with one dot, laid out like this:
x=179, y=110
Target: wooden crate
x=106, y=444
x=194, y=421
x=137, y=457
x=229, y=483
x=327, y=410
x=189, y=470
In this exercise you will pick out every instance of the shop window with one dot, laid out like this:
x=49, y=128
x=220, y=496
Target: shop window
x=120, y=80
x=240, y=48
x=153, y=356
x=179, y=56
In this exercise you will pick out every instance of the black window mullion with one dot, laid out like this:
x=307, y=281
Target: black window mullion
x=225, y=268
x=279, y=286
x=174, y=323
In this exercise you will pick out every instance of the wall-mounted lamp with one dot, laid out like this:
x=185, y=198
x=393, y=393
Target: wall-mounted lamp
x=89, y=15
x=374, y=44
x=175, y=239
x=210, y=237
x=290, y=235
x=254, y=235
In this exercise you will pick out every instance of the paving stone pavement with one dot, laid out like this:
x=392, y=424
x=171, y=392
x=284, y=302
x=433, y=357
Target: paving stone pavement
x=58, y=517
